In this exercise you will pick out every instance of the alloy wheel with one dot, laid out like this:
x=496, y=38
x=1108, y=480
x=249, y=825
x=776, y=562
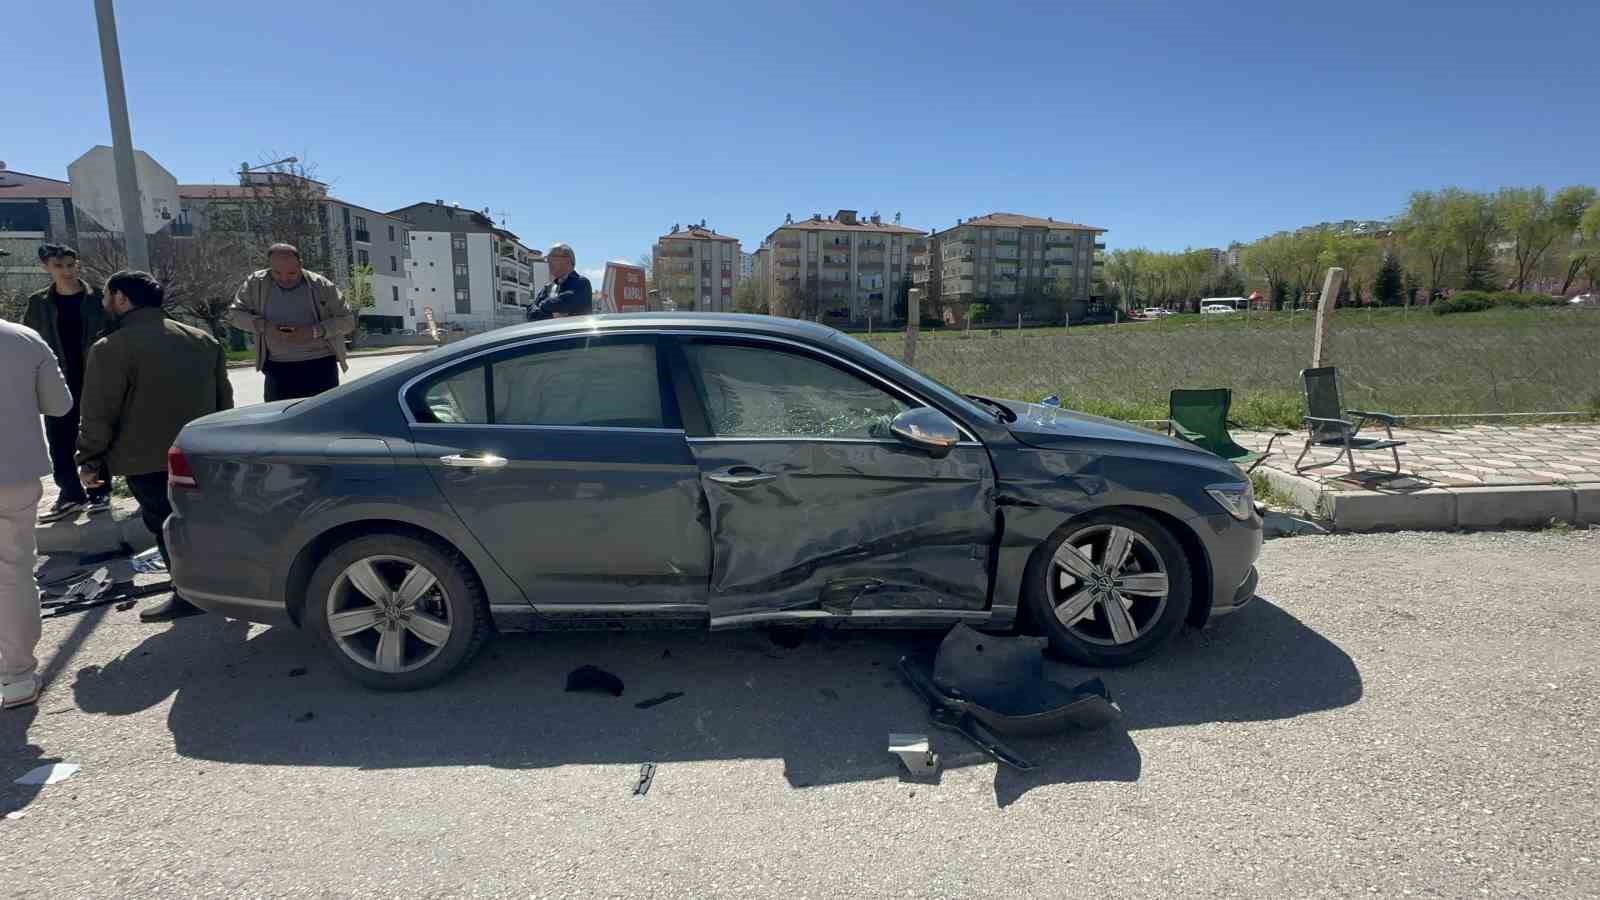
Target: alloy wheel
x=389, y=613
x=1107, y=584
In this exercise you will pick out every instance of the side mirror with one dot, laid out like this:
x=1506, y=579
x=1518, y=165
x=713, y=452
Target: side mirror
x=926, y=429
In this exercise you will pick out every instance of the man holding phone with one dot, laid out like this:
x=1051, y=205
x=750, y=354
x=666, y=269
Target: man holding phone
x=300, y=322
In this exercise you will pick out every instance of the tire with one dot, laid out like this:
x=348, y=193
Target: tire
x=400, y=650
x=1093, y=638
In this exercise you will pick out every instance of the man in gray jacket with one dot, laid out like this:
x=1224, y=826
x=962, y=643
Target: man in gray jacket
x=34, y=388
x=300, y=322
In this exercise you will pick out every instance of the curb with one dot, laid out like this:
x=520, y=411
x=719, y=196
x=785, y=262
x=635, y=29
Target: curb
x=360, y=354
x=1442, y=508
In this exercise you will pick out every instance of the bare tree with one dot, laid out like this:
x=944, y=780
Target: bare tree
x=199, y=274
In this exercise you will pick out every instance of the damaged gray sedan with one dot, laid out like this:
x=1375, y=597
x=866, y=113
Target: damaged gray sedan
x=693, y=470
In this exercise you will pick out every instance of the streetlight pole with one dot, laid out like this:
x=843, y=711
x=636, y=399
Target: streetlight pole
x=122, y=140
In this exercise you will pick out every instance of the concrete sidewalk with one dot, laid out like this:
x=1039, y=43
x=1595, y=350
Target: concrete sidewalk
x=1479, y=476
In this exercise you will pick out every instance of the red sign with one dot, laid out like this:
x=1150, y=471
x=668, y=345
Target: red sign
x=624, y=287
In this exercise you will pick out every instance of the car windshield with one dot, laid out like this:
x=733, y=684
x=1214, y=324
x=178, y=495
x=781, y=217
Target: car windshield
x=942, y=392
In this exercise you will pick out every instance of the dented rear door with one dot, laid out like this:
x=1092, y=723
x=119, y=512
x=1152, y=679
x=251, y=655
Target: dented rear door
x=815, y=510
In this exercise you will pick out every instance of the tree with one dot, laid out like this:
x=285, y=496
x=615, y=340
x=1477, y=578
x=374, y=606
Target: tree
x=1123, y=269
x=1359, y=256
x=1473, y=227
x=1534, y=223
x=748, y=297
x=1588, y=250
x=199, y=274
x=1425, y=238
x=1267, y=259
x=359, y=294
x=1388, y=285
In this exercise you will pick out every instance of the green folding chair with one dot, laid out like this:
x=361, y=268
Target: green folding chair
x=1201, y=418
x=1327, y=426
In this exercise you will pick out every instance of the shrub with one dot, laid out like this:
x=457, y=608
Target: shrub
x=1474, y=301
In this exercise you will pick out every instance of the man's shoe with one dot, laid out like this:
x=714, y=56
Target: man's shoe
x=63, y=509
x=175, y=608
x=22, y=692
x=99, y=504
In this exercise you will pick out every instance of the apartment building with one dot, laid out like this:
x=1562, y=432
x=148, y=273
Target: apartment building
x=467, y=269
x=1006, y=257
x=843, y=266
x=695, y=269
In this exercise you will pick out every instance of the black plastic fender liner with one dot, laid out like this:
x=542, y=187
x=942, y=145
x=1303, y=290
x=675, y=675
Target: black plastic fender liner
x=983, y=686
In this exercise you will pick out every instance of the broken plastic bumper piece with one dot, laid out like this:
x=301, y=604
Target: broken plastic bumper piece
x=983, y=686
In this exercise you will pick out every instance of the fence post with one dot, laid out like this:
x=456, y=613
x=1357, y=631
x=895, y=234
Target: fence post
x=1019, y=323
x=1330, y=295
x=913, y=323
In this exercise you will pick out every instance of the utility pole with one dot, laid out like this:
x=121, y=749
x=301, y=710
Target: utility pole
x=122, y=140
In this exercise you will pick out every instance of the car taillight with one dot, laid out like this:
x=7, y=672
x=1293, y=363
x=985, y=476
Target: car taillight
x=178, y=472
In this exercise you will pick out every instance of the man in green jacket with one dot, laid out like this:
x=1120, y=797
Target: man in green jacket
x=300, y=322
x=145, y=381
x=69, y=317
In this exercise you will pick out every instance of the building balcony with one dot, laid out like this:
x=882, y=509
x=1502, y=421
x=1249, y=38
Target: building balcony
x=870, y=245
x=667, y=250
x=870, y=259
x=788, y=245
x=835, y=262
x=1099, y=245
x=364, y=237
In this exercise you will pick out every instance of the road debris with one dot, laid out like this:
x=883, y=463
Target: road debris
x=593, y=680
x=982, y=686
x=915, y=754
x=657, y=701
x=53, y=773
x=149, y=562
x=647, y=775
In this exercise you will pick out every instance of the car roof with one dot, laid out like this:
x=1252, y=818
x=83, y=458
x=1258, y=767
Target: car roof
x=770, y=325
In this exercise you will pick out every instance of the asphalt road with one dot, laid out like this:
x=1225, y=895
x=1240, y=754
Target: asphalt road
x=1409, y=714
x=248, y=384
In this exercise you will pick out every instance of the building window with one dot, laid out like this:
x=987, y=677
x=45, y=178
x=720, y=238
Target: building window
x=461, y=270
x=394, y=292
x=363, y=258
x=463, y=302
x=394, y=264
x=459, y=242
x=391, y=232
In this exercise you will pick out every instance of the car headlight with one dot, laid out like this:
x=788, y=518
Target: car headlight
x=1238, y=499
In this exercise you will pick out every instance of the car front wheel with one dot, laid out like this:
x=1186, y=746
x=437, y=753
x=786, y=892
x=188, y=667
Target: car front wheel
x=1110, y=589
x=396, y=612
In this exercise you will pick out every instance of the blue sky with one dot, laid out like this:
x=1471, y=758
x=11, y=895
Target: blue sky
x=602, y=124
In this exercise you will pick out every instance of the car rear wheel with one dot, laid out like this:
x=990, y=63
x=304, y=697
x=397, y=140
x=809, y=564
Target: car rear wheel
x=1110, y=589
x=397, y=613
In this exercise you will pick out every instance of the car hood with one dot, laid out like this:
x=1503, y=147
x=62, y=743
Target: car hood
x=1051, y=427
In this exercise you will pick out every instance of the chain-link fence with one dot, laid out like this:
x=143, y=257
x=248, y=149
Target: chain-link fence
x=1405, y=362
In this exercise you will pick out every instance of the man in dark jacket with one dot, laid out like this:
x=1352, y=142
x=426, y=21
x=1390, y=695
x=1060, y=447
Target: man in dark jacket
x=567, y=294
x=145, y=381
x=69, y=316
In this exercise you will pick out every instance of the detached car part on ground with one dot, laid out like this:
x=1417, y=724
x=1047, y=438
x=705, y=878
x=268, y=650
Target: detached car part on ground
x=699, y=470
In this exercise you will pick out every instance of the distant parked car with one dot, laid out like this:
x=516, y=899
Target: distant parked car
x=1217, y=309
x=1589, y=299
x=1156, y=312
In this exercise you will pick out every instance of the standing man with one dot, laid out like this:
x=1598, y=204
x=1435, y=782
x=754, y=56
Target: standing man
x=34, y=388
x=300, y=322
x=567, y=294
x=147, y=380
x=69, y=317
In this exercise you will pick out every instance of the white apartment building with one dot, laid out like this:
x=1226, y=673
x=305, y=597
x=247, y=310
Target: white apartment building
x=696, y=269
x=468, y=270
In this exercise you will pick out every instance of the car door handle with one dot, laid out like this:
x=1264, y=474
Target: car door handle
x=474, y=461
x=741, y=476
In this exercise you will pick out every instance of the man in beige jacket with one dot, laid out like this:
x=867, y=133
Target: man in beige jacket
x=300, y=322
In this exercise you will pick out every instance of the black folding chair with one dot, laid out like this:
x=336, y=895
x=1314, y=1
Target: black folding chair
x=1327, y=425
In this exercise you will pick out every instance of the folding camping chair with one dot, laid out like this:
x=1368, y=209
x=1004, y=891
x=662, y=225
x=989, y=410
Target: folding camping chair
x=1201, y=418
x=1327, y=425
